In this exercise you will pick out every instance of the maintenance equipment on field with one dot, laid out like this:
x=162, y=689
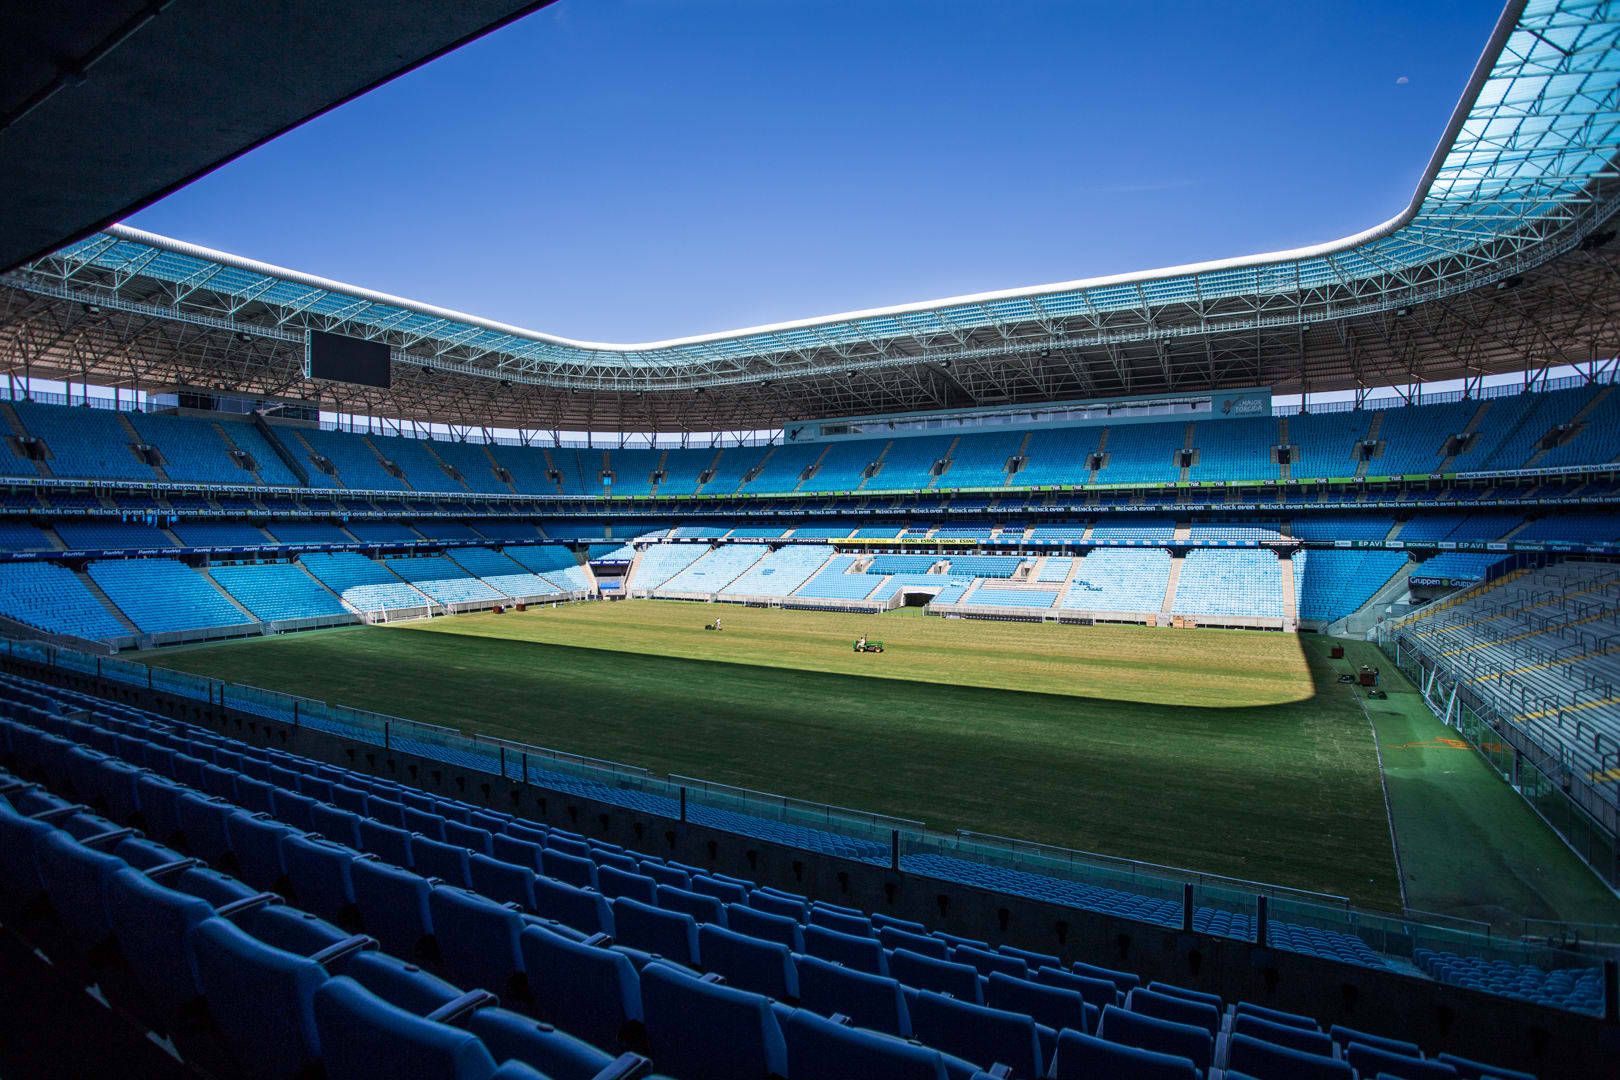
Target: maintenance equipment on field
x=870, y=646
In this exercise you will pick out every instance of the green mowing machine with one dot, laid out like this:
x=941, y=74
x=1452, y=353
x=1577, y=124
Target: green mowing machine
x=870, y=646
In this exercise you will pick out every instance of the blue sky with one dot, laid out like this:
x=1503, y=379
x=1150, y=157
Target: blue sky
x=629, y=170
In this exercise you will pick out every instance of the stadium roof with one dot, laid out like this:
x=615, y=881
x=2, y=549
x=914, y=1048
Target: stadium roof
x=1498, y=263
x=107, y=105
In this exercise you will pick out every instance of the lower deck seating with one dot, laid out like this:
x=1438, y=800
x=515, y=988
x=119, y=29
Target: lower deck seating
x=363, y=584
x=53, y=599
x=1120, y=579
x=1218, y=582
x=443, y=580
x=274, y=591
x=163, y=596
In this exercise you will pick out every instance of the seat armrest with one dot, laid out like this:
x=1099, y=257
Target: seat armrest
x=110, y=837
x=247, y=903
x=173, y=866
x=468, y=1003
x=625, y=1067
x=340, y=950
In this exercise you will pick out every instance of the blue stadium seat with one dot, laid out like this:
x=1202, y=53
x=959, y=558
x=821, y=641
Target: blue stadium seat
x=556, y=1054
x=1051, y=1006
x=764, y=925
x=446, y=862
x=1160, y=1036
x=987, y=963
x=1268, y=1061
x=582, y=909
x=979, y=1034
x=399, y=982
x=819, y=1049
x=151, y=923
x=1082, y=1057
x=670, y=934
x=842, y=921
x=389, y=843
x=586, y=990
x=894, y=938
x=614, y=882
x=1295, y=1038
x=697, y=1028
x=858, y=953
x=478, y=941
x=318, y=872
x=961, y=981
x=764, y=967
x=1469, y=1069
x=870, y=1001
x=362, y=1036
x=1175, y=1009
x=502, y=882
x=703, y=909
x=1376, y=1061
x=256, y=847
x=75, y=878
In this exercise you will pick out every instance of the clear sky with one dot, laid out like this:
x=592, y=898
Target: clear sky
x=628, y=170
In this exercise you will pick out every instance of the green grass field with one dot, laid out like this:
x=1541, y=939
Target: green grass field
x=1226, y=751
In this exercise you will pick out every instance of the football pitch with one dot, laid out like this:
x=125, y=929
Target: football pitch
x=1232, y=752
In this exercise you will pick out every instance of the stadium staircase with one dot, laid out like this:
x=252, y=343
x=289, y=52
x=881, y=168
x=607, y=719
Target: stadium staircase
x=247, y=616
x=1188, y=445
x=1285, y=566
x=15, y=423
x=136, y=440
x=813, y=468
x=1284, y=472
x=1170, y=587
x=1576, y=424
x=551, y=467
x=1373, y=430
x=1102, y=454
x=303, y=447
x=106, y=602
x=630, y=571
x=950, y=459
x=1394, y=530
x=235, y=451
x=496, y=465
x=714, y=468
x=1023, y=448
x=877, y=461
x=449, y=469
x=1467, y=432
x=282, y=450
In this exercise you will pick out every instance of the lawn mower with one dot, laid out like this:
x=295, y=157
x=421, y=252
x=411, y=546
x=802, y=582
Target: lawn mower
x=870, y=646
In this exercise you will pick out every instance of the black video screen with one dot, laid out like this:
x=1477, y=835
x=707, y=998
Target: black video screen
x=349, y=360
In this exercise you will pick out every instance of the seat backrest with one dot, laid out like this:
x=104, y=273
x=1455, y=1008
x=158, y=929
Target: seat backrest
x=400, y=983
x=557, y=1054
x=841, y=921
x=576, y=870
x=818, y=1049
x=478, y=939
x=1053, y=1006
x=1160, y=1036
x=435, y=859
x=1124, y=980
x=895, y=938
x=75, y=878
x=1344, y=1036
x=260, y=998
x=695, y=1028
x=502, y=882
x=704, y=909
x=518, y=851
x=1175, y=1009
x=1375, y=1061
x=774, y=903
x=151, y=923
x=615, y=882
x=671, y=934
x=870, y=1001
x=925, y=973
x=582, y=909
x=860, y=953
x=747, y=919
x=987, y=962
x=1274, y=1016
x=470, y=837
x=1469, y=1069
x=763, y=967
x=590, y=992
x=1270, y=1061
x=1082, y=1057
x=979, y=1034
x=1296, y=1038
x=393, y=905
x=363, y=1036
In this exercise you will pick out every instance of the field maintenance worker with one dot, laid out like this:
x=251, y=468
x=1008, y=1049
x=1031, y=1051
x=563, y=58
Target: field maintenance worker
x=717, y=624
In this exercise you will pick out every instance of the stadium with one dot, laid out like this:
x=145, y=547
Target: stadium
x=1008, y=685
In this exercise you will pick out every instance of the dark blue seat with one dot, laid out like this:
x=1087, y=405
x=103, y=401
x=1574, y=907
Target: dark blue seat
x=1052, y=1006
x=478, y=941
x=448, y=863
x=765, y=926
x=399, y=982
x=986, y=963
x=1033, y=961
x=1296, y=1038
x=390, y=844
x=1344, y=1036
x=386, y=811
x=256, y=847
x=468, y=836
x=218, y=782
x=979, y=1034
x=292, y=808
x=670, y=934
x=1274, y=1016
x=556, y=1054
x=895, y=938
x=925, y=973
x=842, y=921
x=1469, y=1069
x=337, y=825
x=819, y=1049
x=1097, y=992
x=1212, y=1000
x=860, y=953
x=764, y=967
x=774, y=903
x=315, y=787
x=1376, y=1061
x=517, y=851
x=614, y=882
x=727, y=892
x=1269, y=1061
x=703, y=909
x=393, y=906
x=665, y=875
x=870, y=1001
x=591, y=992
x=352, y=799
x=1160, y=1036
x=424, y=823
x=202, y=823
x=254, y=795
x=1082, y=1057
x=151, y=923
x=261, y=999
x=159, y=801
x=19, y=874
x=1177, y=1010
x=573, y=870
x=501, y=881
x=362, y=1036
x=75, y=878
x=318, y=872
x=697, y=1028
x=582, y=909
x=1124, y=980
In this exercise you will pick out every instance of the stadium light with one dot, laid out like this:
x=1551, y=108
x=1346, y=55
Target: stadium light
x=1402, y=312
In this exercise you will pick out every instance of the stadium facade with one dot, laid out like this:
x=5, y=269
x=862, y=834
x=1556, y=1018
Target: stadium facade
x=1102, y=450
